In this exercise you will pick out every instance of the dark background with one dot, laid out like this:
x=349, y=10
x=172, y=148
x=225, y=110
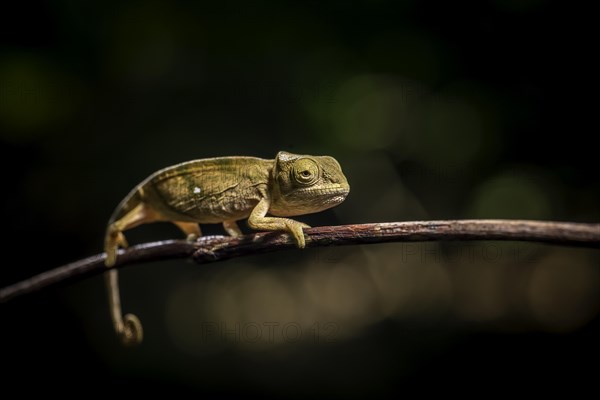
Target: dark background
x=479, y=109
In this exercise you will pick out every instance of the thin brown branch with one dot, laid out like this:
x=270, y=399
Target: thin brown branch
x=217, y=248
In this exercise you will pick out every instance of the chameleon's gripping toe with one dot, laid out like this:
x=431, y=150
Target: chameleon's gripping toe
x=295, y=229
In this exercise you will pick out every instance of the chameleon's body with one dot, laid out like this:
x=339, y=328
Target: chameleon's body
x=223, y=190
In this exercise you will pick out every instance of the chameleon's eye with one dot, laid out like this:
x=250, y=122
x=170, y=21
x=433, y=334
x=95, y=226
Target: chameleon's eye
x=306, y=171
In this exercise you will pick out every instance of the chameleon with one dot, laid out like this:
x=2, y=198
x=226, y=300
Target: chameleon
x=222, y=190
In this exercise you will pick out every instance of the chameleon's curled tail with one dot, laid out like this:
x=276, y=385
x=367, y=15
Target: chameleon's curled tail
x=130, y=213
x=128, y=327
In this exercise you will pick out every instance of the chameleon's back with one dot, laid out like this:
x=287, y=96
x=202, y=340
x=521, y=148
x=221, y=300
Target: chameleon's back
x=208, y=191
x=205, y=191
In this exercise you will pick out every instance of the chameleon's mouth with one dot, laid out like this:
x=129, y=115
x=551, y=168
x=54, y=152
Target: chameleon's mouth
x=334, y=193
x=310, y=200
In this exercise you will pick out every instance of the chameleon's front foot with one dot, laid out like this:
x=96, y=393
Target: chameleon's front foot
x=259, y=221
x=295, y=229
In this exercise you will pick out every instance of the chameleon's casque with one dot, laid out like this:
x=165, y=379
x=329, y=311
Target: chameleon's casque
x=223, y=190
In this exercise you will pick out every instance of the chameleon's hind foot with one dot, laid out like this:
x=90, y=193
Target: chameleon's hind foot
x=114, y=240
x=191, y=229
x=121, y=241
x=232, y=228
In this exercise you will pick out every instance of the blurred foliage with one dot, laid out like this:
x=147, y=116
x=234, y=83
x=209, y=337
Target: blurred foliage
x=435, y=111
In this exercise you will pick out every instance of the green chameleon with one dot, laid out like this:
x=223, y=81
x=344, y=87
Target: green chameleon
x=223, y=190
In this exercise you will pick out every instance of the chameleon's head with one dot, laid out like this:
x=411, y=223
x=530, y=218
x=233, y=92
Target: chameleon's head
x=306, y=184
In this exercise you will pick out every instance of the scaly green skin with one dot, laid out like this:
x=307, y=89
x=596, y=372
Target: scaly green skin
x=223, y=190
